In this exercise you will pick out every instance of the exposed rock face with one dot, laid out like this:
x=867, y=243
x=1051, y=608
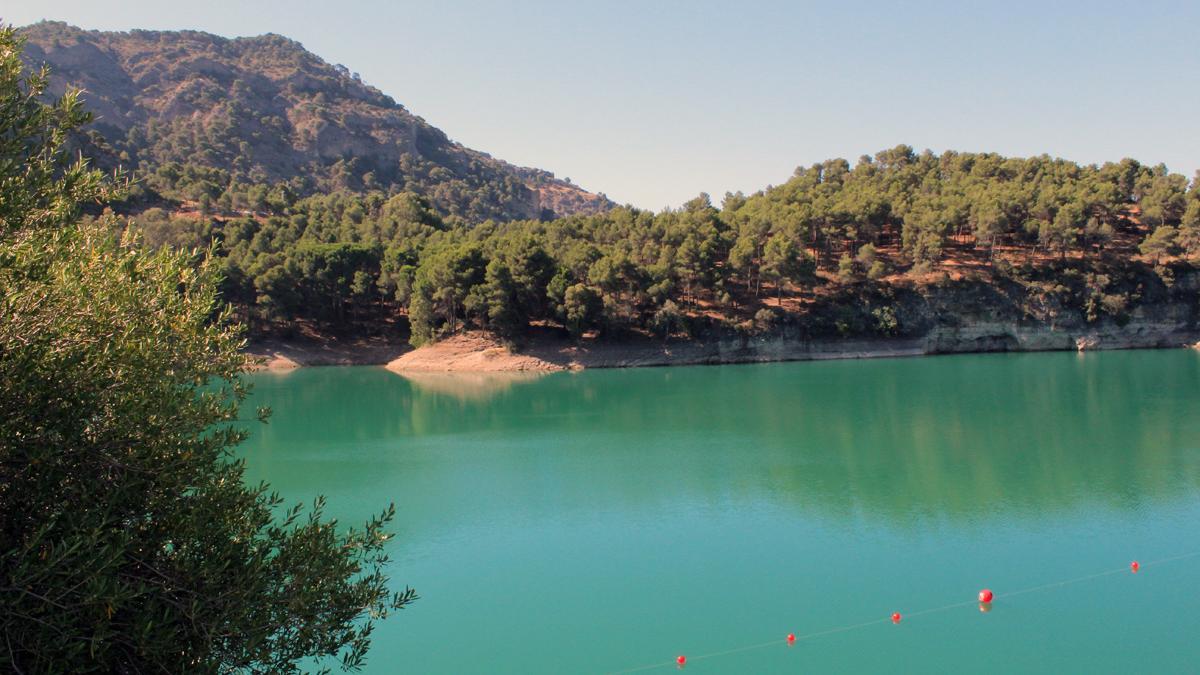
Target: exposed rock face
x=269, y=109
x=475, y=354
x=963, y=318
x=967, y=339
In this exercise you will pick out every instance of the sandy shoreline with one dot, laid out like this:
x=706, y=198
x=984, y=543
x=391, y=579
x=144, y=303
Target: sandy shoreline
x=279, y=354
x=477, y=352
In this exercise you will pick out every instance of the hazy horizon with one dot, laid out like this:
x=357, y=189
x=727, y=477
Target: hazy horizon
x=654, y=104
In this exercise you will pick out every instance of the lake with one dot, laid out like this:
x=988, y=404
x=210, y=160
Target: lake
x=609, y=520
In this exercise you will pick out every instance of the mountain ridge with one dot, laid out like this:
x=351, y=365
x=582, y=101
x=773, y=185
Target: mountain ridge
x=265, y=110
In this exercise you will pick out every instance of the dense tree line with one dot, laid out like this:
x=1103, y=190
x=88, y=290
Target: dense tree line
x=346, y=258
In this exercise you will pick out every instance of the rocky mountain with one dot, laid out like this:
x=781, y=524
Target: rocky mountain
x=197, y=113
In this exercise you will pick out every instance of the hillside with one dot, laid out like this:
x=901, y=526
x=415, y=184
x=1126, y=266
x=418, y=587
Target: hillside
x=247, y=123
x=902, y=245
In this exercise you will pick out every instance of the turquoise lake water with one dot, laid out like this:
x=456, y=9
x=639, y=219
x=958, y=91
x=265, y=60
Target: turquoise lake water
x=607, y=520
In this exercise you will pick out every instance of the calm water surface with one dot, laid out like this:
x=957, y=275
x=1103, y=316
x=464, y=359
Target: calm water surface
x=605, y=520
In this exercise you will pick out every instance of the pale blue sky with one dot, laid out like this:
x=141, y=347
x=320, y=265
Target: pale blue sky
x=654, y=102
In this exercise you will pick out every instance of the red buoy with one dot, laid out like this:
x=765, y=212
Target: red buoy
x=1134, y=566
x=791, y=638
x=896, y=617
x=681, y=660
x=985, y=595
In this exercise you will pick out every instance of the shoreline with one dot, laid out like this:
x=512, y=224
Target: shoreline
x=283, y=354
x=477, y=352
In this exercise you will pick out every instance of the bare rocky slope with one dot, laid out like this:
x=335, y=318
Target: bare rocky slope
x=266, y=110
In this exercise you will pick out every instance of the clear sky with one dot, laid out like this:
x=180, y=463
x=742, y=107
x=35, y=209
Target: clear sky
x=653, y=102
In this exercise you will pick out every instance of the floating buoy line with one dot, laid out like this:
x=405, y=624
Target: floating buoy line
x=985, y=600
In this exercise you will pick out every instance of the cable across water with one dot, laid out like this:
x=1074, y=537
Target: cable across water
x=1135, y=567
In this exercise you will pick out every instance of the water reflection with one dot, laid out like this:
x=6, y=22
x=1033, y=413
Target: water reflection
x=478, y=387
x=902, y=441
